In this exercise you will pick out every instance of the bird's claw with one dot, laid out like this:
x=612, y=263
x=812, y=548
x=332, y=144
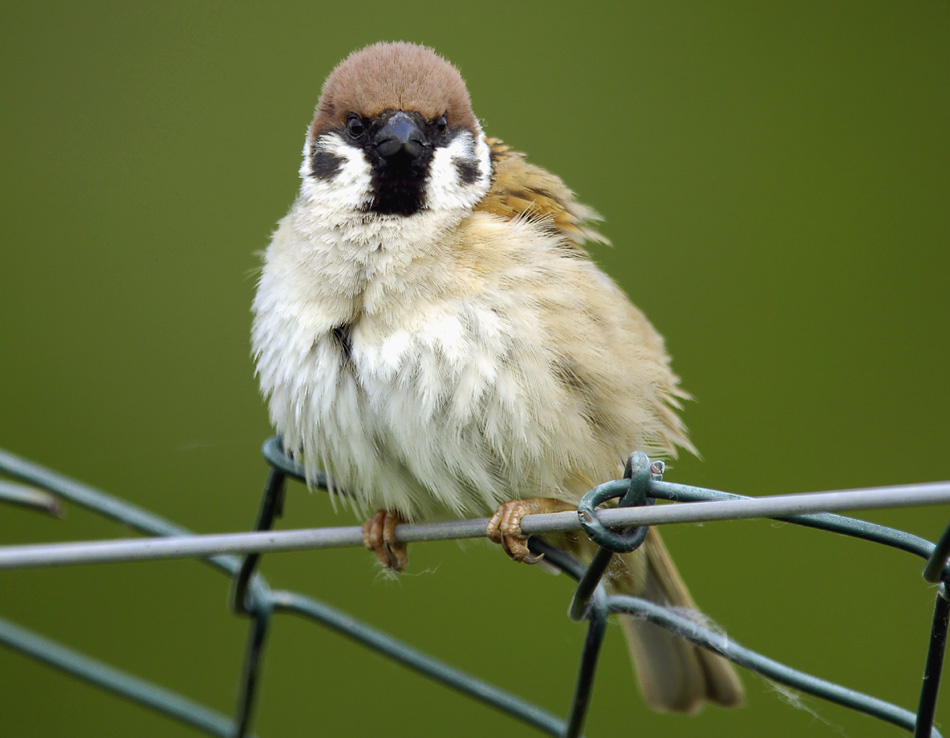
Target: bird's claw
x=504, y=527
x=379, y=536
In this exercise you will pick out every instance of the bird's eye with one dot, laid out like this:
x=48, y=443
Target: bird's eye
x=354, y=125
x=441, y=123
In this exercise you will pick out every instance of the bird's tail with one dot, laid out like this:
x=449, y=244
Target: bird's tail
x=674, y=675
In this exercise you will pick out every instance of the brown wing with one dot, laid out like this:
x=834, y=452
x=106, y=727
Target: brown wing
x=520, y=189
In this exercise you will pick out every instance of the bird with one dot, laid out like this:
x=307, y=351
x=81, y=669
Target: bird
x=430, y=330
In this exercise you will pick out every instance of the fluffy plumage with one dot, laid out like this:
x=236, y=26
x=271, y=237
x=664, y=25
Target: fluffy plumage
x=441, y=361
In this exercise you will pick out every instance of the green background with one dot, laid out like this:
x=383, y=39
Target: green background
x=774, y=179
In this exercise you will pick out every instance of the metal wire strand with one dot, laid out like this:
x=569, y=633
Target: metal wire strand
x=251, y=596
x=769, y=668
x=30, y=497
x=937, y=563
x=709, y=505
x=927, y=707
x=122, y=683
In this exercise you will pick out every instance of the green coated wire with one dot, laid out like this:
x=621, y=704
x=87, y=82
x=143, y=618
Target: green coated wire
x=29, y=497
x=446, y=674
x=114, y=680
x=251, y=596
x=769, y=668
x=260, y=596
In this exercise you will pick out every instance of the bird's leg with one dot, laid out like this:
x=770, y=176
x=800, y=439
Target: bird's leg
x=379, y=536
x=505, y=525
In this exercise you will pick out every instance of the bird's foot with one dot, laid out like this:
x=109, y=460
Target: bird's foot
x=379, y=536
x=505, y=525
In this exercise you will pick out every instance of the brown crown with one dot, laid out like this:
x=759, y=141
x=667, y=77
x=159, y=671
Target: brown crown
x=393, y=76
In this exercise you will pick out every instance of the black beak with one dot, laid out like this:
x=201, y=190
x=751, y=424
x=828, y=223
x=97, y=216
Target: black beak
x=401, y=135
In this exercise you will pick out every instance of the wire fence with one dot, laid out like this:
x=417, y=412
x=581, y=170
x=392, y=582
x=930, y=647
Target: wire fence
x=616, y=529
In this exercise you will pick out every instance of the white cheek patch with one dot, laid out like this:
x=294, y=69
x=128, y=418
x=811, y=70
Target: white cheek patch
x=460, y=173
x=346, y=188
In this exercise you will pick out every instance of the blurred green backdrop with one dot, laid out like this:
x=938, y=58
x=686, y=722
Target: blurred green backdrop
x=774, y=179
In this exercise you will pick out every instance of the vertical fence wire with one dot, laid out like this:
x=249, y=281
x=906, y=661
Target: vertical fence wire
x=251, y=596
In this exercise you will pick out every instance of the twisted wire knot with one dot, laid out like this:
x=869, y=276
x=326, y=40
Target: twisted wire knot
x=641, y=472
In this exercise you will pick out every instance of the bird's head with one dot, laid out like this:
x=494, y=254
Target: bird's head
x=394, y=135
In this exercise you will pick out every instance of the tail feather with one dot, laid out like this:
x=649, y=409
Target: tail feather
x=674, y=675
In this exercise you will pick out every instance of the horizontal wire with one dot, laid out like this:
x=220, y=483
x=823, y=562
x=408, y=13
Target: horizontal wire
x=115, y=680
x=778, y=506
x=714, y=505
x=769, y=668
x=409, y=656
x=30, y=497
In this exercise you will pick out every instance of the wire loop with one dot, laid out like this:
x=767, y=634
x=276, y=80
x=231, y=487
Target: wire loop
x=280, y=460
x=640, y=472
x=251, y=596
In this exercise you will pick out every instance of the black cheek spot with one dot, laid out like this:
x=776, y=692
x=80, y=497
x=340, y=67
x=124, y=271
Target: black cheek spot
x=324, y=165
x=468, y=170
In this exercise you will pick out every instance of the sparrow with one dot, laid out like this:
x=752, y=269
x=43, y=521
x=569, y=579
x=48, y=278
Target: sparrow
x=431, y=332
